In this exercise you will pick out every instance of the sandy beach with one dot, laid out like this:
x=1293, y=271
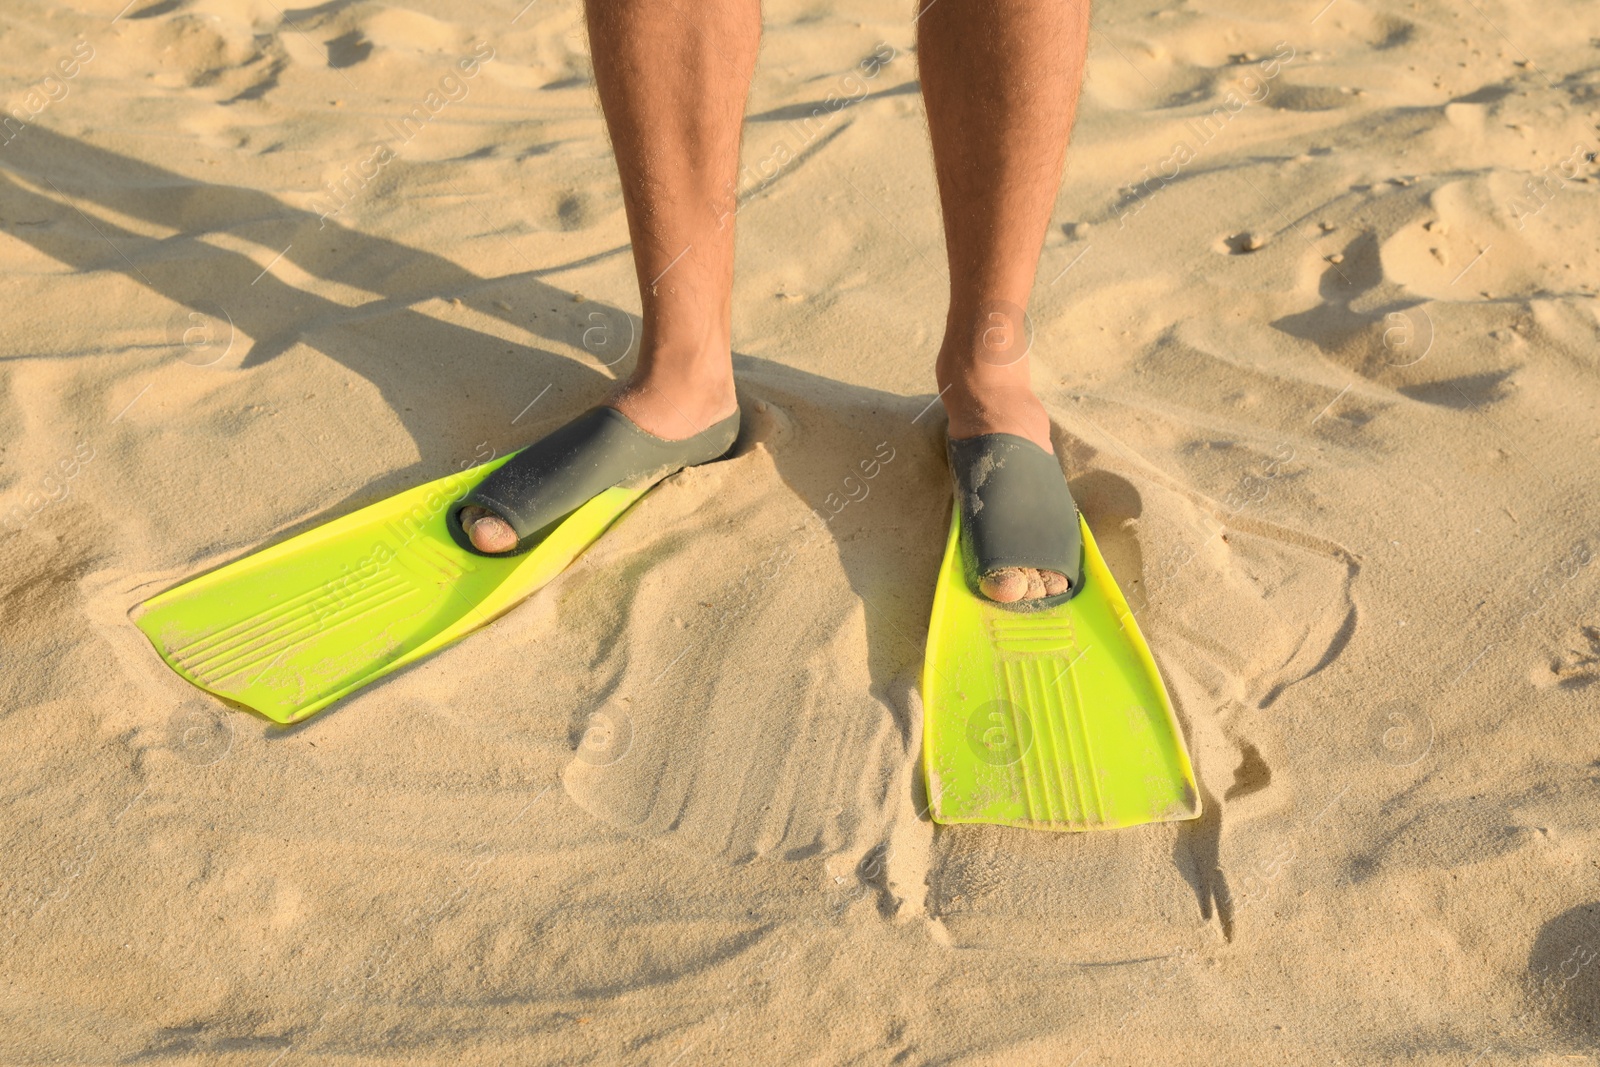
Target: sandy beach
x=1316, y=325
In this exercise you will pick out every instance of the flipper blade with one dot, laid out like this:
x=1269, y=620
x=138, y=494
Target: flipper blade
x=290, y=629
x=1053, y=720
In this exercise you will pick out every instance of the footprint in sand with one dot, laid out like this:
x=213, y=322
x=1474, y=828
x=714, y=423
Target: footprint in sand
x=222, y=56
x=1577, y=666
x=737, y=559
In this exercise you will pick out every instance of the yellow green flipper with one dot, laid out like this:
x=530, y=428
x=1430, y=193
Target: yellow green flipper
x=1053, y=720
x=292, y=628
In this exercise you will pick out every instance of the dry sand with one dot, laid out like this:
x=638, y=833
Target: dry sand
x=1321, y=359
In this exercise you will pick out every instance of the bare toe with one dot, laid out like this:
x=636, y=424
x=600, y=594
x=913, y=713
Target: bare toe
x=1035, y=584
x=1055, y=584
x=487, y=531
x=1005, y=586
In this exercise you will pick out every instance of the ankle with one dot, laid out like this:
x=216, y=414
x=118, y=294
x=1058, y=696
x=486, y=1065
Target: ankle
x=679, y=371
x=989, y=331
x=980, y=399
x=676, y=394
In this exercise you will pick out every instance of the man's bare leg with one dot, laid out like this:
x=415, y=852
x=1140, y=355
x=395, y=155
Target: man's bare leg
x=1000, y=81
x=673, y=80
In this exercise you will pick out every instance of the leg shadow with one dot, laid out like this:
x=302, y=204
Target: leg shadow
x=429, y=371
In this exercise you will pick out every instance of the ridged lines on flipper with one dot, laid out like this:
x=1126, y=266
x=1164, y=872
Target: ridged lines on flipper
x=1019, y=635
x=234, y=631
x=274, y=646
x=1089, y=769
x=271, y=632
x=275, y=641
x=1059, y=760
x=1044, y=736
x=1021, y=729
x=431, y=555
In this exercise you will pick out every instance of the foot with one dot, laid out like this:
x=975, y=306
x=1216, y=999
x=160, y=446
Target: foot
x=488, y=532
x=672, y=407
x=1011, y=584
x=981, y=399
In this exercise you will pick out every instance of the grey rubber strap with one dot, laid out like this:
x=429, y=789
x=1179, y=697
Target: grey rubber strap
x=1016, y=511
x=598, y=450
